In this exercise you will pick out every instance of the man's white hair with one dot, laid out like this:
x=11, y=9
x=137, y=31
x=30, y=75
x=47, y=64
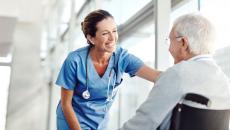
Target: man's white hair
x=199, y=31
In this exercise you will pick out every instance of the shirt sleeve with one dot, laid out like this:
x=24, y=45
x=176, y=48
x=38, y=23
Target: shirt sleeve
x=67, y=75
x=161, y=100
x=133, y=64
x=128, y=63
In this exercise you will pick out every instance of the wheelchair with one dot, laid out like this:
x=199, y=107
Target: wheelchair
x=185, y=117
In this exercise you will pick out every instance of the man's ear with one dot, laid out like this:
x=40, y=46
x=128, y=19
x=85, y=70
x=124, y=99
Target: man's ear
x=90, y=38
x=185, y=44
x=184, y=50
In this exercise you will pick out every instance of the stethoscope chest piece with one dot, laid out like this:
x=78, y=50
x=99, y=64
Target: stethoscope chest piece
x=86, y=94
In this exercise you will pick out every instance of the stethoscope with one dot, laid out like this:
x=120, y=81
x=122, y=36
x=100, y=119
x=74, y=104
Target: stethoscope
x=86, y=94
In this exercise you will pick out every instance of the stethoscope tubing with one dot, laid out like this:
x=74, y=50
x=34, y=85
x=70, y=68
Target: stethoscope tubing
x=86, y=94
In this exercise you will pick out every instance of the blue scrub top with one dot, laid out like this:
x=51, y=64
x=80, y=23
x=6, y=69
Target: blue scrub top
x=92, y=113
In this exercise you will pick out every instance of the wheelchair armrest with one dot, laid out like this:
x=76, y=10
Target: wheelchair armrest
x=198, y=98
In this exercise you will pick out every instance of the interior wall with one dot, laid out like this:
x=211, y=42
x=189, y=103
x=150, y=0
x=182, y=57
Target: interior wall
x=27, y=102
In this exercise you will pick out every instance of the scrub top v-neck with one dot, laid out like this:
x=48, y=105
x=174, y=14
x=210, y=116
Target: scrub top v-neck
x=92, y=113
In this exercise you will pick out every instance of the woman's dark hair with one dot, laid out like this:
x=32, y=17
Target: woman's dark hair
x=88, y=26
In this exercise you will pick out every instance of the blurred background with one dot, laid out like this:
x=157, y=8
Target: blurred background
x=36, y=36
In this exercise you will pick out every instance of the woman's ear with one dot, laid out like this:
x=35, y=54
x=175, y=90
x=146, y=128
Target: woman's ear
x=90, y=38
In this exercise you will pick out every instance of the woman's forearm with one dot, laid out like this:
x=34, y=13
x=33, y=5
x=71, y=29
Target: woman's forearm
x=148, y=73
x=67, y=108
x=71, y=117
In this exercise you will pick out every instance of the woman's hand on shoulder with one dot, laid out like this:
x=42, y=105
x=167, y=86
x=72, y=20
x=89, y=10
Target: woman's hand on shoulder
x=148, y=73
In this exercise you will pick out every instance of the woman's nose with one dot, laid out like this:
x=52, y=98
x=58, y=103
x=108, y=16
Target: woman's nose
x=112, y=36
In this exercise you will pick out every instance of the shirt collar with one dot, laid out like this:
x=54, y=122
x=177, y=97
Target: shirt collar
x=202, y=57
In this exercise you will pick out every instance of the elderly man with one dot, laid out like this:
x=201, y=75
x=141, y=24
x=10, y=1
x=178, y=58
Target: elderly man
x=191, y=43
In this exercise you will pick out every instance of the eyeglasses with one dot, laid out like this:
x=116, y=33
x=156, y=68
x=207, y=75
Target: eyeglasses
x=179, y=37
x=167, y=40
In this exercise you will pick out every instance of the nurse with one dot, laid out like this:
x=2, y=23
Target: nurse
x=90, y=76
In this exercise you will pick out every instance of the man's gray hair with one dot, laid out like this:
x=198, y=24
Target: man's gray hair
x=199, y=31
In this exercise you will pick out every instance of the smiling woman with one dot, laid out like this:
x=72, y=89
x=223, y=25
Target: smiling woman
x=106, y=36
x=90, y=76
